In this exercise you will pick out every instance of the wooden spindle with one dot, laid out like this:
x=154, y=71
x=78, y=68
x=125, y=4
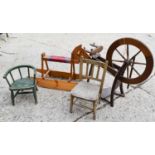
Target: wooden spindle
x=98, y=70
x=20, y=73
x=12, y=77
x=28, y=71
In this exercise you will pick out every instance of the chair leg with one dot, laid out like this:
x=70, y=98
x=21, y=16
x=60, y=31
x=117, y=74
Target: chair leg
x=37, y=88
x=35, y=95
x=12, y=98
x=99, y=100
x=7, y=35
x=121, y=90
x=94, y=110
x=112, y=99
x=71, y=103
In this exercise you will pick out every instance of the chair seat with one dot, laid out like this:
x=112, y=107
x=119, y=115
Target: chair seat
x=86, y=90
x=25, y=83
x=106, y=92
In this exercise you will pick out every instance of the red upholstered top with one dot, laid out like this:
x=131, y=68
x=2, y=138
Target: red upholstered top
x=58, y=59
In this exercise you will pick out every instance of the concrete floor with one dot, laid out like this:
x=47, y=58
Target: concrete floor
x=137, y=105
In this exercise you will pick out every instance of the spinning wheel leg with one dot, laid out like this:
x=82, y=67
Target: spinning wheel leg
x=121, y=89
x=116, y=82
x=72, y=71
x=42, y=65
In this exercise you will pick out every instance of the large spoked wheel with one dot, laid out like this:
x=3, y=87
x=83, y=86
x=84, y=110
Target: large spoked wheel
x=137, y=54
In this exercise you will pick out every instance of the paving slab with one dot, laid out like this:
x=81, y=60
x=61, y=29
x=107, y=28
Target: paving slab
x=136, y=106
x=149, y=86
x=48, y=108
x=54, y=105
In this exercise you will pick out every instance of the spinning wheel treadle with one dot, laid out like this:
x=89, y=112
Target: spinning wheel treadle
x=139, y=52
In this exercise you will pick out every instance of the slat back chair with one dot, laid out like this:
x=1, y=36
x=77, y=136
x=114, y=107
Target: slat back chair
x=21, y=79
x=7, y=35
x=92, y=76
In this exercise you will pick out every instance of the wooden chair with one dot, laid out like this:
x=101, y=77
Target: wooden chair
x=91, y=83
x=7, y=35
x=21, y=80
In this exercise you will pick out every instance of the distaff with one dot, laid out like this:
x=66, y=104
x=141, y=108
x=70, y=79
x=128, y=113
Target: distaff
x=96, y=51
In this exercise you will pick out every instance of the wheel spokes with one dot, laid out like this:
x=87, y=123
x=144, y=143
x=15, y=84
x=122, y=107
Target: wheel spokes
x=136, y=71
x=136, y=54
x=127, y=53
x=120, y=54
x=131, y=71
x=118, y=61
x=132, y=61
x=139, y=63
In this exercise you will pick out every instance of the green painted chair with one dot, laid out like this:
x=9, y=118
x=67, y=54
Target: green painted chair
x=21, y=80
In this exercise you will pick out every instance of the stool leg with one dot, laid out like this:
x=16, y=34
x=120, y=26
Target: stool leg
x=94, y=110
x=121, y=90
x=35, y=95
x=12, y=98
x=71, y=103
x=42, y=65
x=37, y=88
x=7, y=35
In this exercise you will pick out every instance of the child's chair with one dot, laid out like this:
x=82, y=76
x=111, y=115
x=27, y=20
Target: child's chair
x=21, y=79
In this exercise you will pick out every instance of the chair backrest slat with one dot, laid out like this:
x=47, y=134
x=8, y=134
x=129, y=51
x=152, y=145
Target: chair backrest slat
x=92, y=70
x=28, y=71
x=12, y=77
x=8, y=81
x=20, y=73
x=87, y=70
x=81, y=69
x=98, y=70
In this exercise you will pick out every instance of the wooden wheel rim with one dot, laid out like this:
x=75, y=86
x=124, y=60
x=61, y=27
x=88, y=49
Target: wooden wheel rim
x=144, y=49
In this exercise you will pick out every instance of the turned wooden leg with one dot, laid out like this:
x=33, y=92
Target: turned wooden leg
x=7, y=35
x=42, y=65
x=121, y=90
x=113, y=93
x=71, y=103
x=112, y=99
x=12, y=98
x=35, y=95
x=94, y=110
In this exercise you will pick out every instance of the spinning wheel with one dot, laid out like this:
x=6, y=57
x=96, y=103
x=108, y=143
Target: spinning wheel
x=136, y=54
x=130, y=62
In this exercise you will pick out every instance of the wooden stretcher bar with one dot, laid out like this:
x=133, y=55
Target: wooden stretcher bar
x=57, y=74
